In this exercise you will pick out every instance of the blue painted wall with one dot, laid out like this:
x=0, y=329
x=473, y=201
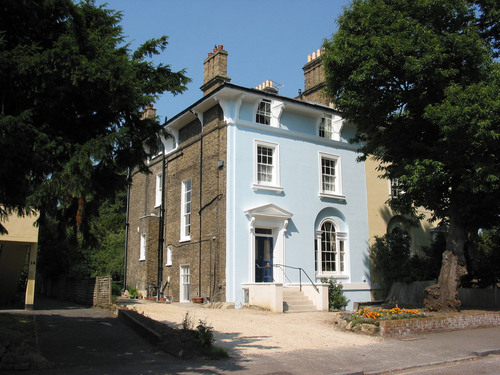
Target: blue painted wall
x=299, y=172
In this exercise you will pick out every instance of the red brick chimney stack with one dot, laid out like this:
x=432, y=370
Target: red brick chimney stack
x=215, y=70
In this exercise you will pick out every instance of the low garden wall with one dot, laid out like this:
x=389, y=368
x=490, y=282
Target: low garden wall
x=462, y=320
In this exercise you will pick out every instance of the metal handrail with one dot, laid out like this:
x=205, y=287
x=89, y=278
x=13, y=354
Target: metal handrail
x=300, y=275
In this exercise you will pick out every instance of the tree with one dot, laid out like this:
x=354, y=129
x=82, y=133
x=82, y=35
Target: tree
x=419, y=81
x=71, y=94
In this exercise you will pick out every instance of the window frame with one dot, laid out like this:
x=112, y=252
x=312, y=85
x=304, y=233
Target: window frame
x=396, y=188
x=186, y=209
x=169, y=257
x=337, y=192
x=340, y=253
x=142, y=247
x=263, y=114
x=275, y=183
x=158, y=190
x=322, y=124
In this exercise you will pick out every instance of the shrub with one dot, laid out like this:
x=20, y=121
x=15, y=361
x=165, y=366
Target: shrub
x=205, y=334
x=132, y=292
x=187, y=322
x=116, y=290
x=336, y=299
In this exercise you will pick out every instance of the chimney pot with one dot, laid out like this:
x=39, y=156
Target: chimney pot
x=221, y=46
x=309, y=58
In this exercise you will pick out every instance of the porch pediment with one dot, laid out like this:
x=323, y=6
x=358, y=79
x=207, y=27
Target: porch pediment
x=269, y=211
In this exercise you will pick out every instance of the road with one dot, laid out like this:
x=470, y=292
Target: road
x=489, y=365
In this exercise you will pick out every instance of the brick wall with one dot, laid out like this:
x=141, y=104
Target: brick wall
x=198, y=152
x=314, y=82
x=463, y=320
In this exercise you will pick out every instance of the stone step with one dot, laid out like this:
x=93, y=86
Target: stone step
x=302, y=301
x=295, y=301
x=298, y=308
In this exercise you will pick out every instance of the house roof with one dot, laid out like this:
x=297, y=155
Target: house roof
x=227, y=90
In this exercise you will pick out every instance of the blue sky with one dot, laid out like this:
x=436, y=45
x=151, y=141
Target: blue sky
x=265, y=39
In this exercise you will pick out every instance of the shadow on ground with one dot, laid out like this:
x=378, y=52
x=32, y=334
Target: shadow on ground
x=83, y=340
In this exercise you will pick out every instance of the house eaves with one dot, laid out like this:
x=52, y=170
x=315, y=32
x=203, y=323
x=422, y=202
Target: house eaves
x=229, y=90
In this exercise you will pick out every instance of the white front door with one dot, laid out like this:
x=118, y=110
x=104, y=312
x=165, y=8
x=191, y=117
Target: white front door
x=185, y=284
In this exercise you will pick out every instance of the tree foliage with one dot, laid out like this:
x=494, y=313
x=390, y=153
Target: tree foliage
x=393, y=260
x=419, y=81
x=71, y=94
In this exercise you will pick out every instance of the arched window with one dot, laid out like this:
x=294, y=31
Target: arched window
x=330, y=250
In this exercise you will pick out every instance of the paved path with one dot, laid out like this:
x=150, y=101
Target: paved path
x=85, y=341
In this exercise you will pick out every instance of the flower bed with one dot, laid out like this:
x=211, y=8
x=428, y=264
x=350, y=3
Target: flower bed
x=400, y=322
x=368, y=321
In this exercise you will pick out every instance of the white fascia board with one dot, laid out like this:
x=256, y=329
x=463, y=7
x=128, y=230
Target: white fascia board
x=292, y=134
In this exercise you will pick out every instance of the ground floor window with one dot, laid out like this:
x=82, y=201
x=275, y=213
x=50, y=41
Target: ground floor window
x=330, y=246
x=185, y=283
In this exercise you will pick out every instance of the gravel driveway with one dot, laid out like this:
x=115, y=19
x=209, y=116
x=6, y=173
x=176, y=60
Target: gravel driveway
x=248, y=331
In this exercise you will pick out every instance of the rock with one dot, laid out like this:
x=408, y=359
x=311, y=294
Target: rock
x=342, y=324
x=349, y=326
x=369, y=329
x=356, y=328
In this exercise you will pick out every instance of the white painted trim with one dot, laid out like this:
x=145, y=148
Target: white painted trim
x=181, y=285
x=338, y=176
x=183, y=237
x=275, y=184
x=158, y=189
x=293, y=134
x=356, y=286
x=347, y=264
x=277, y=189
x=276, y=111
x=143, y=247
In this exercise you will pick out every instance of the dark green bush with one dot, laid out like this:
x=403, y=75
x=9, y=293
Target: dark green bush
x=336, y=299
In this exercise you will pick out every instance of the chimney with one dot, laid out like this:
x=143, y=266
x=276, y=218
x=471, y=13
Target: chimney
x=268, y=86
x=314, y=79
x=148, y=112
x=214, y=70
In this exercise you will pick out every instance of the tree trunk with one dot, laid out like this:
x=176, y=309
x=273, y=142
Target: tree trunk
x=443, y=295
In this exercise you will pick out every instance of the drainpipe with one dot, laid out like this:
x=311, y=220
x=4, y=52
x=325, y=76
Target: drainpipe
x=161, y=229
x=126, y=232
x=201, y=184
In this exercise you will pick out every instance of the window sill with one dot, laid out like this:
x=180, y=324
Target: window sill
x=277, y=189
x=331, y=276
x=142, y=259
x=185, y=239
x=332, y=196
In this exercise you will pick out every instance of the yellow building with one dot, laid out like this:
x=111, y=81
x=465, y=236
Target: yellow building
x=381, y=218
x=20, y=243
